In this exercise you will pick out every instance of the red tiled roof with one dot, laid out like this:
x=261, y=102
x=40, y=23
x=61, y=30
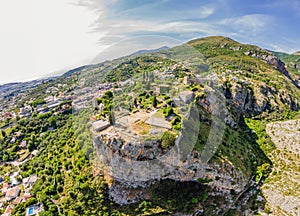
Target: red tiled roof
x=26, y=196
x=8, y=210
x=17, y=200
x=4, y=185
x=13, y=192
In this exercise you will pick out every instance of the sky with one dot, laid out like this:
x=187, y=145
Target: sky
x=42, y=37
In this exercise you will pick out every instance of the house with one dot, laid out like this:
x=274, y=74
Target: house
x=13, y=179
x=187, y=80
x=49, y=99
x=50, y=129
x=34, y=209
x=39, y=107
x=52, y=90
x=26, y=196
x=17, y=200
x=100, y=125
x=12, y=193
x=4, y=188
x=53, y=104
x=101, y=107
x=13, y=140
x=158, y=120
x=8, y=210
x=2, y=201
x=25, y=111
x=18, y=134
x=35, y=152
x=186, y=96
x=7, y=115
x=23, y=144
x=30, y=181
x=65, y=106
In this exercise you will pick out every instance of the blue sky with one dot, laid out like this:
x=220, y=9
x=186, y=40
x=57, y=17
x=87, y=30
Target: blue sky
x=51, y=36
x=271, y=24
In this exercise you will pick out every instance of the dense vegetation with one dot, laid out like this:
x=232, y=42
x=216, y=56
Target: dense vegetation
x=71, y=183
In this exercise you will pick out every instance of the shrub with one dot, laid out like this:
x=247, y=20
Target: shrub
x=167, y=140
x=204, y=180
x=168, y=111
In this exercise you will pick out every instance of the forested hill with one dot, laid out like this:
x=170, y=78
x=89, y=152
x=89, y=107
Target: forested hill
x=49, y=159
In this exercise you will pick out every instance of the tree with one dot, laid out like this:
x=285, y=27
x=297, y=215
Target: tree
x=262, y=171
x=144, y=76
x=108, y=94
x=135, y=102
x=151, y=77
x=3, y=133
x=5, y=158
x=154, y=101
x=30, y=146
x=52, y=122
x=111, y=118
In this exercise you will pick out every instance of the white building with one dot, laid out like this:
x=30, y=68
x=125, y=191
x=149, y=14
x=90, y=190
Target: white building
x=186, y=96
x=34, y=209
x=100, y=125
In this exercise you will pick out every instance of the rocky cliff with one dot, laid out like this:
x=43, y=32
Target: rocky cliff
x=254, y=83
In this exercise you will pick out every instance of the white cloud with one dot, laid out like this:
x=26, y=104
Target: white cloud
x=39, y=37
x=183, y=22
x=207, y=11
x=250, y=24
x=122, y=29
x=157, y=17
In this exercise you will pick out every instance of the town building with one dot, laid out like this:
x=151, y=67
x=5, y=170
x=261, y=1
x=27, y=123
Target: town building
x=12, y=193
x=34, y=210
x=100, y=125
x=186, y=96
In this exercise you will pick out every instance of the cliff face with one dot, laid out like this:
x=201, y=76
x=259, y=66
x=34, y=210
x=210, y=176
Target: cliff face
x=276, y=63
x=253, y=83
x=270, y=59
x=249, y=75
x=252, y=99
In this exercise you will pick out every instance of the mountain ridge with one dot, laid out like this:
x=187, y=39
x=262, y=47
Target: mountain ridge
x=253, y=86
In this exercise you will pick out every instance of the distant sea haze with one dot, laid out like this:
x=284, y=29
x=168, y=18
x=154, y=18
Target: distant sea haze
x=21, y=81
x=47, y=75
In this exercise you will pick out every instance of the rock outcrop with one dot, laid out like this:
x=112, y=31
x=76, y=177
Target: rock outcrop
x=269, y=58
x=272, y=60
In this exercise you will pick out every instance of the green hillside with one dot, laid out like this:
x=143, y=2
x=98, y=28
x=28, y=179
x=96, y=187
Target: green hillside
x=234, y=91
x=292, y=61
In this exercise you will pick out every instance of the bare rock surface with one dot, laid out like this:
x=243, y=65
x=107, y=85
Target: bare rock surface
x=282, y=190
x=285, y=135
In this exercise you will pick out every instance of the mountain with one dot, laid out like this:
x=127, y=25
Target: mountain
x=292, y=62
x=197, y=129
x=10, y=89
x=257, y=88
x=279, y=54
x=150, y=50
x=296, y=53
